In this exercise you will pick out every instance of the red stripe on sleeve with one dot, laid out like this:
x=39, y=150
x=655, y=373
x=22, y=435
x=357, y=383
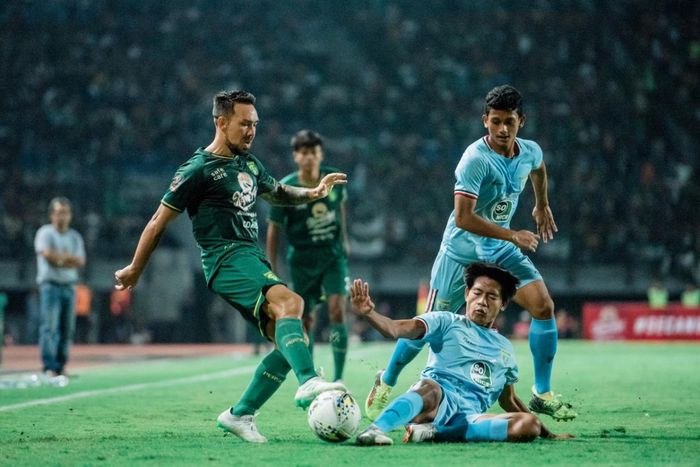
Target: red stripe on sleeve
x=466, y=194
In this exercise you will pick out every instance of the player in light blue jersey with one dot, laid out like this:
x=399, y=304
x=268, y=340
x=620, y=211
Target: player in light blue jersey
x=490, y=177
x=470, y=366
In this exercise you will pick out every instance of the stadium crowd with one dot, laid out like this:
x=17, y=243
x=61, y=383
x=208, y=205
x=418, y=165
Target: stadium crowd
x=104, y=100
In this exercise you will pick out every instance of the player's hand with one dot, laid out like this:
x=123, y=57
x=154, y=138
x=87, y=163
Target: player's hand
x=328, y=182
x=526, y=240
x=545, y=222
x=126, y=278
x=359, y=297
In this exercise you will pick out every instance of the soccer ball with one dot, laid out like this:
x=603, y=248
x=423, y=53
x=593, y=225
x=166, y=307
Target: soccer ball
x=334, y=416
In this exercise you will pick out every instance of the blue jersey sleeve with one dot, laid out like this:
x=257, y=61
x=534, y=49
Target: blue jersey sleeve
x=538, y=157
x=470, y=173
x=436, y=324
x=512, y=373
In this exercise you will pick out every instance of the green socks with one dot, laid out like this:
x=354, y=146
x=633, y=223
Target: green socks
x=339, y=344
x=268, y=377
x=289, y=337
x=310, y=336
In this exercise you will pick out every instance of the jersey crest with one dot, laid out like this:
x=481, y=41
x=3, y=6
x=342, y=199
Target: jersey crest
x=253, y=168
x=245, y=198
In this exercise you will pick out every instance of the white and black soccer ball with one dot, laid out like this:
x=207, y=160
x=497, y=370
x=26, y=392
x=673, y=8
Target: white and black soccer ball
x=334, y=416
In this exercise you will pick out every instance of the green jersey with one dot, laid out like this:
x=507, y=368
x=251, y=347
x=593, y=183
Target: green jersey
x=316, y=224
x=219, y=195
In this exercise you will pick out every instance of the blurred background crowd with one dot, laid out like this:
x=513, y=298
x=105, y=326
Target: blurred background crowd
x=103, y=100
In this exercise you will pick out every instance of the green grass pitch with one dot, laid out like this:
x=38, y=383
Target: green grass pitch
x=638, y=404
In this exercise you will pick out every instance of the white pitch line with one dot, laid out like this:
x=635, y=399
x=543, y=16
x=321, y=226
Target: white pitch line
x=135, y=387
x=130, y=387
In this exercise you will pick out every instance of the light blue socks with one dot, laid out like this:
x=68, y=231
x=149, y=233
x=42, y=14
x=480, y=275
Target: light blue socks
x=543, y=345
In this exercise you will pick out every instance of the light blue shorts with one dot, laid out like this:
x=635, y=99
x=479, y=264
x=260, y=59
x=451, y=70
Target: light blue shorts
x=454, y=406
x=447, y=277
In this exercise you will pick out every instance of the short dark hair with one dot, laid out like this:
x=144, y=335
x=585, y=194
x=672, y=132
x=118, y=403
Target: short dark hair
x=509, y=283
x=504, y=97
x=225, y=100
x=62, y=200
x=306, y=139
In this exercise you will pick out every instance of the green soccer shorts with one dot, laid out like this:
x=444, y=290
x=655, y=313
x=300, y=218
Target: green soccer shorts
x=318, y=273
x=242, y=279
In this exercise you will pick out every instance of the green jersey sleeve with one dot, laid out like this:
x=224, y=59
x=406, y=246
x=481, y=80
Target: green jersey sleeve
x=266, y=182
x=184, y=187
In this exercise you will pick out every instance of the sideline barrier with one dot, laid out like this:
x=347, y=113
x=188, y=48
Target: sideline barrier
x=637, y=321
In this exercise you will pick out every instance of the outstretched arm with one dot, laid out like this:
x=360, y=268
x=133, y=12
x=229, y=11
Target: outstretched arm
x=286, y=195
x=542, y=213
x=127, y=277
x=467, y=219
x=387, y=327
x=510, y=402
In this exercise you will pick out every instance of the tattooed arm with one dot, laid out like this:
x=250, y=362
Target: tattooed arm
x=286, y=195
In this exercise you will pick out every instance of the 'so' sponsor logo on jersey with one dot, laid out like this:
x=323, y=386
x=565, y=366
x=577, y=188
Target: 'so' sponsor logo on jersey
x=177, y=181
x=501, y=210
x=480, y=373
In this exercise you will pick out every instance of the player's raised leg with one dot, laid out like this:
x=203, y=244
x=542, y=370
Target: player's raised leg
x=446, y=294
x=285, y=308
x=535, y=298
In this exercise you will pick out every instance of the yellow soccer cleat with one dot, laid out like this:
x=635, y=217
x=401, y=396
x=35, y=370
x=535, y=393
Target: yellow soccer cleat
x=378, y=397
x=552, y=405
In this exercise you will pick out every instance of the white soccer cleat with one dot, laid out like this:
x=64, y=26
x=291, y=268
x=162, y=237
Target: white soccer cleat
x=242, y=426
x=308, y=391
x=419, y=433
x=373, y=436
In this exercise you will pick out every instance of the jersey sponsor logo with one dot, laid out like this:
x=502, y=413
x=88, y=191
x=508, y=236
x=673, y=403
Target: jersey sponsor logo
x=177, y=181
x=501, y=210
x=245, y=198
x=322, y=223
x=253, y=168
x=480, y=373
x=218, y=174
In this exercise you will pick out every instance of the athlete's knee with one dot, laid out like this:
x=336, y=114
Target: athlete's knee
x=430, y=392
x=288, y=305
x=336, y=309
x=524, y=427
x=543, y=309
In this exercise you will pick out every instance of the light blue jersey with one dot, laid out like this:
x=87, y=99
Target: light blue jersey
x=470, y=360
x=495, y=182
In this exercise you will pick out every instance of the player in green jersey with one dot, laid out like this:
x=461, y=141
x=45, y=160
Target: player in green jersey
x=318, y=244
x=218, y=187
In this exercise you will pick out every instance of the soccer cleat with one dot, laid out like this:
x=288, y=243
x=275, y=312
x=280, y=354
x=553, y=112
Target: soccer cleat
x=242, y=426
x=419, y=433
x=373, y=436
x=308, y=391
x=378, y=397
x=552, y=405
